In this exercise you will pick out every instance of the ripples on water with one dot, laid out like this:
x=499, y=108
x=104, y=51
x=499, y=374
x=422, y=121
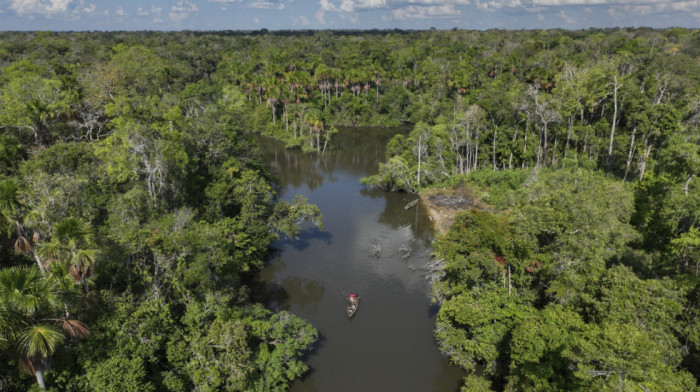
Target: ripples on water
x=371, y=246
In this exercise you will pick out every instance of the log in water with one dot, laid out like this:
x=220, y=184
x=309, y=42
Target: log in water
x=371, y=246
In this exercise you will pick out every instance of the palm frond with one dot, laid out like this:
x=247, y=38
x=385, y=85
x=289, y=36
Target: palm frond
x=22, y=245
x=75, y=273
x=75, y=328
x=40, y=340
x=69, y=229
x=30, y=364
x=50, y=250
x=84, y=257
x=19, y=288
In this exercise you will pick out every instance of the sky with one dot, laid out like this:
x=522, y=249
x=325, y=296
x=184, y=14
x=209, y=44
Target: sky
x=109, y=15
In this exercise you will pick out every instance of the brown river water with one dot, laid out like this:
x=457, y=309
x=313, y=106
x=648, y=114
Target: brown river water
x=370, y=246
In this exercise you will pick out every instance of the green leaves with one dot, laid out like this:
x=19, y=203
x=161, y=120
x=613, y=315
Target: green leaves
x=118, y=373
x=611, y=356
x=591, y=323
x=40, y=340
x=9, y=205
x=26, y=290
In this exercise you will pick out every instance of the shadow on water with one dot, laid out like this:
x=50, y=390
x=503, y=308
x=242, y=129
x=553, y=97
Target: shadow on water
x=371, y=245
x=307, y=292
x=303, y=240
x=433, y=310
x=271, y=294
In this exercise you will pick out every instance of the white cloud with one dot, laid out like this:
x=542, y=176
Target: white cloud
x=566, y=18
x=256, y=20
x=266, y=5
x=82, y=9
x=184, y=6
x=496, y=4
x=614, y=13
x=425, y=12
x=618, y=8
x=685, y=6
x=320, y=16
x=639, y=9
x=120, y=11
x=42, y=7
x=145, y=12
x=259, y=4
x=302, y=20
x=444, y=9
x=182, y=10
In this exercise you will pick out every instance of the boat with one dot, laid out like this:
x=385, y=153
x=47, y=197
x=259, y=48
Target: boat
x=411, y=204
x=352, y=307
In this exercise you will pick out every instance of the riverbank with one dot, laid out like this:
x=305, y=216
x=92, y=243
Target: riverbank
x=444, y=204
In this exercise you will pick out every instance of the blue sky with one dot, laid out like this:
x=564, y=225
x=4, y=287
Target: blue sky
x=342, y=14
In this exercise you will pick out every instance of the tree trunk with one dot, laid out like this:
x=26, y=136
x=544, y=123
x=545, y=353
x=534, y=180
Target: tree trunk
x=631, y=154
x=539, y=150
x=645, y=156
x=420, y=148
x=510, y=286
x=318, y=142
x=510, y=159
x=325, y=143
x=687, y=184
x=39, y=374
x=544, y=151
x=495, y=131
x=616, y=87
x=38, y=262
x=568, y=135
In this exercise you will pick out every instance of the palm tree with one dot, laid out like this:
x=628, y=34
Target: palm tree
x=71, y=245
x=9, y=205
x=30, y=303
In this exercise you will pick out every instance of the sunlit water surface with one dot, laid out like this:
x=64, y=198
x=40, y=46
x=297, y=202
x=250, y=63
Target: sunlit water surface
x=370, y=246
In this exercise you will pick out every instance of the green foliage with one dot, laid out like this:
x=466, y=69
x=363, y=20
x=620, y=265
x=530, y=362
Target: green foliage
x=535, y=297
x=537, y=351
x=137, y=142
x=118, y=373
x=613, y=356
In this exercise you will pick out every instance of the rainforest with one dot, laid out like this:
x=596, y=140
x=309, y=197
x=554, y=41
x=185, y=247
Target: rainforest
x=140, y=201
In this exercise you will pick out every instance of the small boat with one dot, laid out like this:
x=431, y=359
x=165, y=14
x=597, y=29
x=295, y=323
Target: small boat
x=352, y=307
x=411, y=204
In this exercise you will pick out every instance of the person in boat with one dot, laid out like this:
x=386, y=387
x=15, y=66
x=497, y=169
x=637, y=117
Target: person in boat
x=352, y=299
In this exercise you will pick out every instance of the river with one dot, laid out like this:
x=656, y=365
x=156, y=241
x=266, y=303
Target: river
x=370, y=246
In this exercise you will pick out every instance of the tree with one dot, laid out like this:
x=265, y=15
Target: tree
x=32, y=300
x=72, y=245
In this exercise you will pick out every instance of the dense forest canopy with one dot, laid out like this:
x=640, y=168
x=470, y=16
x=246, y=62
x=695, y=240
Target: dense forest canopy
x=133, y=210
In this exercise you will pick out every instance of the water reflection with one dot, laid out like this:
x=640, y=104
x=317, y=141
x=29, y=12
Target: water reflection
x=303, y=240
x=306, y=292
x=372, y=246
